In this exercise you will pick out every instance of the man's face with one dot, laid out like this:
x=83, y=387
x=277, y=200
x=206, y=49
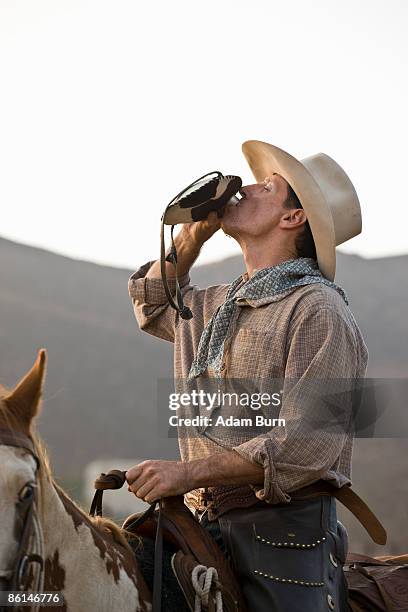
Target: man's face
x=260, y=209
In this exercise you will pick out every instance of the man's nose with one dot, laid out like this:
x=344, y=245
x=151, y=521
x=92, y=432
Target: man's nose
x=244, y=191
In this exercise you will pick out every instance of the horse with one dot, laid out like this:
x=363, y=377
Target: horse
x=47, y=542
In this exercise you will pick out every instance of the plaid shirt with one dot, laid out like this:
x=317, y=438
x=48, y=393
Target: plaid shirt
x=303, y=335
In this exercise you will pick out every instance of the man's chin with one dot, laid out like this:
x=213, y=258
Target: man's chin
x=228, y=227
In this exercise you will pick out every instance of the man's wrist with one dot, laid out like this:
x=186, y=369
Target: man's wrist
x=186, y=240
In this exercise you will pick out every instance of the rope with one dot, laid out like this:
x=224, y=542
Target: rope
x=203, y=578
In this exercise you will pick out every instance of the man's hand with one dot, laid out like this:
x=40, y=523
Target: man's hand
x=188, y=243
x=200, y=231
x=152, y=480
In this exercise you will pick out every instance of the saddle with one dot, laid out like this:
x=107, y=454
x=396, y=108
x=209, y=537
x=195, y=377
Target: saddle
x=379, y=584
x=199, y=565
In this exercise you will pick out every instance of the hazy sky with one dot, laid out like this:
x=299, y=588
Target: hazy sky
x=108, y=109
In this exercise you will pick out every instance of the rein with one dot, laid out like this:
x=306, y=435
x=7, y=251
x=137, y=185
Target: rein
x=31, y=544
x=115, y=479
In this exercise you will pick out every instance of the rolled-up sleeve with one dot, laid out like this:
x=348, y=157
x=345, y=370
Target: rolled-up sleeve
x=152, y=310
x=323, y=361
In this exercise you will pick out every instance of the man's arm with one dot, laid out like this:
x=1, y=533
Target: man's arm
x=151, y=480
x=152, y=310
x=188, y=243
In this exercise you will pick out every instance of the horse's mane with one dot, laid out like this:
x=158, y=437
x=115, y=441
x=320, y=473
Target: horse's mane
x=104, y=525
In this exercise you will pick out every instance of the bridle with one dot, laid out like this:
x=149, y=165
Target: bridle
x=31, y=544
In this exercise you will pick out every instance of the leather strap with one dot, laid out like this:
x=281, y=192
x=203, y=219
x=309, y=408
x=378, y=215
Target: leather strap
x=183, y=310
x=23, y=557
x=114, y=479
x=158, y=562
x=11, y=437
x=218, y=500
x=352, y=501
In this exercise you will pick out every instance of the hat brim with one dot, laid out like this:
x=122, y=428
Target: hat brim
x=264, y=159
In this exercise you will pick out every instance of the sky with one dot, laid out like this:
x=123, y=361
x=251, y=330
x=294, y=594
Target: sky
x=108, y=109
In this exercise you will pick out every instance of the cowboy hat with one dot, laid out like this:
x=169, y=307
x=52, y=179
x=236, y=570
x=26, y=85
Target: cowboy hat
x=325, y=191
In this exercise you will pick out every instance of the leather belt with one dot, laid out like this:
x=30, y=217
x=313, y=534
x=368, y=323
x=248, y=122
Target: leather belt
x=210, y=499
x=351, y=501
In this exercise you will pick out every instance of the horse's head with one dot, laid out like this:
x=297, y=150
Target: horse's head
x=18, y=474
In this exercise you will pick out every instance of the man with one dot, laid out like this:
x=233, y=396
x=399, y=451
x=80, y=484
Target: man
x=284, y=319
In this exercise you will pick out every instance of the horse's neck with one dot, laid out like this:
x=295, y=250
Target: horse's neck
x=90, y=570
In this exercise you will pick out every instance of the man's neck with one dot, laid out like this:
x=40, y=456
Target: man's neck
x=259, y=255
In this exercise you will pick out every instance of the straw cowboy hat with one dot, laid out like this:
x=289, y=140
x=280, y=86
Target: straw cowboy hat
x=324, y=190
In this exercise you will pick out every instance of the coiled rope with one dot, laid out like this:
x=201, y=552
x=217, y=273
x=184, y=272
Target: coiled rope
x=203, y=579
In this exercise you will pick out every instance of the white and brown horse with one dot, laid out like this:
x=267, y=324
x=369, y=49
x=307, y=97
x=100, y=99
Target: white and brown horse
x=88, y=560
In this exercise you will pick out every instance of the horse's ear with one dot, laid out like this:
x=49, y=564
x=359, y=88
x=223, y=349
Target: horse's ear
x=24, y=400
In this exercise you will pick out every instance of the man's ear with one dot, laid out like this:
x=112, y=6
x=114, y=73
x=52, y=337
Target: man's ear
x=293, y=218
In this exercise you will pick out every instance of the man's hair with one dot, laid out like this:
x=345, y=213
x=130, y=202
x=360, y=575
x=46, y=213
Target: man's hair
x=304, y=242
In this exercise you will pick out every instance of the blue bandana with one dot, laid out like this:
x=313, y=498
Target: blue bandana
x=267, y=282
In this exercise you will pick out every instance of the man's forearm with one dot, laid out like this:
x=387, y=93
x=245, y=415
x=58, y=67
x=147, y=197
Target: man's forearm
x=227, y=468
x=154, y=479
x=187, y=252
